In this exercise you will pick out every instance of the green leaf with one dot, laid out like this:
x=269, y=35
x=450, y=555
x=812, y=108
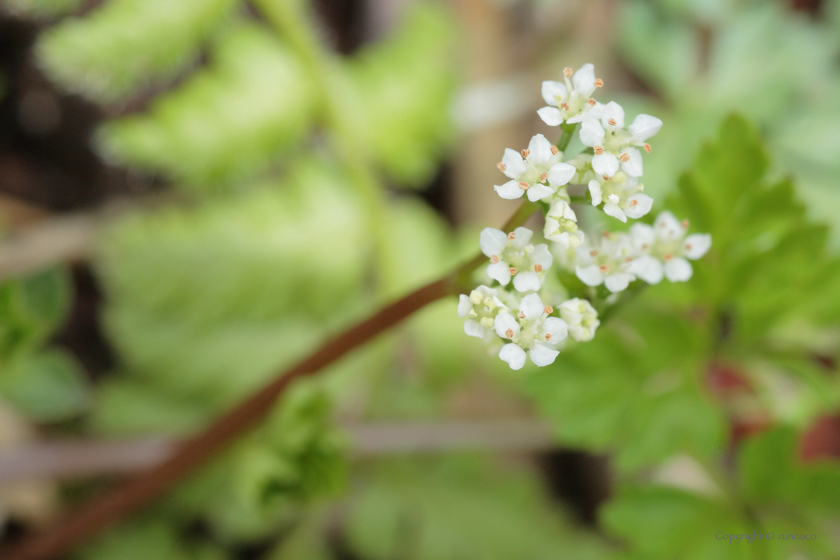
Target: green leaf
x=125, y=44
x=32, y=307
x=142, y=540
x=46, y=387
x=229, y=122
x=42, y=8
x=405, y=88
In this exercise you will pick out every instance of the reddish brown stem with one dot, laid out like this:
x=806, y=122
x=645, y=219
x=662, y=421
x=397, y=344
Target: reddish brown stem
x=115, y=505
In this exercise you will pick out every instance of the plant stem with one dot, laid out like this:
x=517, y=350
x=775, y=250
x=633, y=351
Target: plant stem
x=566, y=136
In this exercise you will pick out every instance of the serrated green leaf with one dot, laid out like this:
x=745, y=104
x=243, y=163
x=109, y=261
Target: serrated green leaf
x=229, y=122
x=126, y=44
x=46, y=387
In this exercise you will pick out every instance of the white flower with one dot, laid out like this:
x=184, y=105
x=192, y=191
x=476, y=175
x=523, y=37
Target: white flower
x=532, y=168
x=569, y=101
x=665, y=248
x=621, y=195
x=512, y=256
x=608, y=263
x=613, y=144
x=581, y=318
x=561, y=225
x=531, y=329
x=479, y=309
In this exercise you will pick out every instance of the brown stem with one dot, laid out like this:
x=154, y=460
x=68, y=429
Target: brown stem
x=92, y=517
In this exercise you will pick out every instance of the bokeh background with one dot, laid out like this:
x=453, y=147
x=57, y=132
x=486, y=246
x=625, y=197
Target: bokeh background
x=196, y=193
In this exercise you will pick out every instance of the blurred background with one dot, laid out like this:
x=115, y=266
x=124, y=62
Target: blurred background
x=196, y=193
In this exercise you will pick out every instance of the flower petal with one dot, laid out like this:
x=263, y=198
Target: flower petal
x=644, y=127
x=557, y=328
x=513, y=355
x=584, y=79
x=643, y=205
x=697, y=245
x=590, y=275
x=613, y=210
x=532, y=306
x=464, y=305
x=552, y=90
x=543, y=355
x=539, y=192
x=505, y=322
x=474, y=328
x=542, y=256
x=527, y=281
x=678, y=270
x=560, y=174
x=551, y=116
x=642, y=235
x=605, y=164
x=492, y=241
x=647, y=268
x=668, y=227
x=539, y=149
x=618, y=281
x=592, y=133
x=633, y=166
x=500, y=272
x=613, y=110
x=522, y=236
x=514, y=164
x=510, y=190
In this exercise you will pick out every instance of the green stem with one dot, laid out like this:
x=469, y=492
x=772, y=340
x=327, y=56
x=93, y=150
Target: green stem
x=566, y=136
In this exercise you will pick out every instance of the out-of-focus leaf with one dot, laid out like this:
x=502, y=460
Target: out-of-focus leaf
x=45, y=387
x=126, y=44
x=306, y=541
x=43, y=8
x=31, y=307
x=459, y=509
x=405, y=86
x=148, y=539
x=229, y=122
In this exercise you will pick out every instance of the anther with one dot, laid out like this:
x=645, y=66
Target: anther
x=633, y=203
x=624, y=158
x=521, y=314
x=565, y=106
x=537, y=268
x=591, y=102
x=647, y=147
x=568, y=72
x=668, y=257
x=598, y=150
x=548, y=310
x=509, y=333
x=544, y=176
x=494, y=259
x=593, y=253
x=684, y=224
x=599, y=83
x=607, y=178
x=628, y=259
x=512, y=271
x=502, y=167
x=525, y=153
x=555, y=150
x=611, y=122
x=604, y=268
x=547, y=337
x=523, y=185
x=688, y=246
x=512, y=236
x=645, y=247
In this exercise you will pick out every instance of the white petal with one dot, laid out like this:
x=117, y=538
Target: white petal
x=678, y=270
x=514, y=164
x=500, y=272
x=513, y=355
x=584, y=79
x=464, y=305
x=510, y=190
x=590, y=275
x=552, y=90
x=551, y=116
x=644, y=127
x=539, y=192
x=492, y=241
x=527, y=281
x=592, y=133
x=505, y=322
x=605, y=164
x=613, y=110
x=557, y=328
x=697, y=245
x=532, y=306
x=668, y=227
x=642, y=235
x=633, y=166
x=595, y=192
x=613, y=210
x=560, y=174
x=643, y=205
x=474, y=328
x=562, y=209
x=542, y=256
x=540, y=149
x=559, y=236
x=619, y=281
x=647, y=268
x=543, y=355
x=522, y=236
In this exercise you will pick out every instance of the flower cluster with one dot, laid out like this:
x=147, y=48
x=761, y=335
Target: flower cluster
x=517, y=317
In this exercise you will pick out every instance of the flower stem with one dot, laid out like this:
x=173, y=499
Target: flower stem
x=566, y=136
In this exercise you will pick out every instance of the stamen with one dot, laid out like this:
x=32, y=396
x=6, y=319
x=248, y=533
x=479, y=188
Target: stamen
x=555, y=150
x=494, y=259
x=521, y=314
x=591, y=102
x=628, y=259
x=568, y=72
x=593, y=253
x=611, y=122
x=668, y=257
x=537, y=268
x=599, y=83
x=684, y=224
x=501, y=166
x=607, y=178
x=633, y=203
x=547, y=337
x=524, y=186
x=548, y=310
x=688, y=246
x=512, y=236
x=564, y=106
x=525, y=153
x=624, y=158
x=509, y=333
x=647, y=147
x=544, y=176
x=604, y=268
x=645, y=247
x=598, y=150
x=512, y=271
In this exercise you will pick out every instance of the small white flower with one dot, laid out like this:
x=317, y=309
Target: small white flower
x=621, y=195
x=512, y=256
x=537, y=171
x=607, y=263
x=569, y=101
x=561, y=225
x=479, y=309
x=613, y=144
x=665, y=249
x=531, y=329
x=581, y=318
